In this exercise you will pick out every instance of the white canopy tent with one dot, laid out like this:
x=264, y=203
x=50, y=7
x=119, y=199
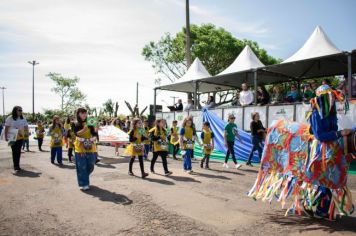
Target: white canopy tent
x=246, y=60
x=187, y=83
x=318, y=57
x=317, y=45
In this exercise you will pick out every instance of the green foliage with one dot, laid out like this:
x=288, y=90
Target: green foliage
x=215, y=47
x=108, y=107
x=66, y=88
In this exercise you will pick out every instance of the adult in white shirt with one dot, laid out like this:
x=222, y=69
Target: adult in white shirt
x=189, y=106
x=16, y=122
x=246, y=96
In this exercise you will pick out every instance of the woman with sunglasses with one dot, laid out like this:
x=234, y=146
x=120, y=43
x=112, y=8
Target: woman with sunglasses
x=16, y=123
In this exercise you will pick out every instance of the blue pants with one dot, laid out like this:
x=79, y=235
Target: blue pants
x=147, y=150
x=187, y=164
x=26, y=143
x=84, y=163
x=257, y=143
x=56, y=151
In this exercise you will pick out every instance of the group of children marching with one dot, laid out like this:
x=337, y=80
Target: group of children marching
x=81, y=139
x=183, y=138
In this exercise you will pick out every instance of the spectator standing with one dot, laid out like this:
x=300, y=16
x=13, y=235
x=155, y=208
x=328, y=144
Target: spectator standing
x=277, y=96
x=262, y=96
x=246, y=96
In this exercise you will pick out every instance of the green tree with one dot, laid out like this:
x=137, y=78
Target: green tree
x=70, y=95
x=215, y=47
x=108, y=107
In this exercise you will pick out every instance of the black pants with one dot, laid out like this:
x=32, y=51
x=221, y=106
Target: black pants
x=70, y=154
x=16, y=153
x=175, y=150
x=164, y=161
x=140, y=159
x=205, y=159
x=230, y=149
x=40, y=142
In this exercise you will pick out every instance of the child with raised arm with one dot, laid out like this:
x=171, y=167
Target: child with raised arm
x=230, y=133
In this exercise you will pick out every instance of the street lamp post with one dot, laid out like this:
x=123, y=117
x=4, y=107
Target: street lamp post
x=33, y=63
x=3, y=102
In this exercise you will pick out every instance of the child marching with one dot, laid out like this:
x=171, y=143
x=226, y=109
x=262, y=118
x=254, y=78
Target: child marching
x=230, y=133
x=147, y=142
x=187, y=139
x=136, y=147
x=56, y=133
x=175, y=138
x=85, y=148
x=160, y=145
x=40, y=131
x=71, y=139
x=26, y=141
x=207, y=137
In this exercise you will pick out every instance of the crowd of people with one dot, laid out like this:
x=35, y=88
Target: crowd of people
x=80, y=139
x=277, y=95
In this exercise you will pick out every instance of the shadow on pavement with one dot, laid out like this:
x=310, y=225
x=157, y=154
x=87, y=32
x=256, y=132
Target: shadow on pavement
x=28, y=173
x=160, y=181
x=107, y=196
x=105, y=165
x=341, y=225
x=211, y=176
x=182, y=179
x=233, y=171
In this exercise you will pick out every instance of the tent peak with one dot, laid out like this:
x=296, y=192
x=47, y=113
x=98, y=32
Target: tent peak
x=317, y=45
x=246, y=60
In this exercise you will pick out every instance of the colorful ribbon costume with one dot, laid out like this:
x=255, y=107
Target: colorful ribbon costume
x=307, y=165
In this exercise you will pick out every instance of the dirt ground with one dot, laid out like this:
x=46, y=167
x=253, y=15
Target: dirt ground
x=45, y=200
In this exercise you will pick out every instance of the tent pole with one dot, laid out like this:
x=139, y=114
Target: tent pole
x=255, y=84
x=349, y=75
x=154, y=101
x=196, y=94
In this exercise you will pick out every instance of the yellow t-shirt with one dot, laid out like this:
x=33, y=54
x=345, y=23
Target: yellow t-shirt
x=160, y=146
x=147, y=130
x=188, y=142
x=174, y=136
x=207, y=141
x=71, y=138
x=135, y=148
x=56, y=137
x=67, y=126
x=40, y=131
x=85, y=142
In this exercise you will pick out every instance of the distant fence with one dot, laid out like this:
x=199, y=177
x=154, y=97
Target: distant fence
x=296, y=112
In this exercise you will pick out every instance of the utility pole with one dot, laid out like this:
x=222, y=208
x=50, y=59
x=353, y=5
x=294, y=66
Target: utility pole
x=174, y=99
x=187, y=35
x=33, y=63
x=137, y=93
x=3, y=103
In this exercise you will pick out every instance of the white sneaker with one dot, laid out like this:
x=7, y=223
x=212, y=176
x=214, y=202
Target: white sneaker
x=238, y=166
x=225, y=165
x=85, y=188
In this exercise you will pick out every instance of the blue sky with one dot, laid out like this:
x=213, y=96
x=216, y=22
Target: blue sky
x=101, y=40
